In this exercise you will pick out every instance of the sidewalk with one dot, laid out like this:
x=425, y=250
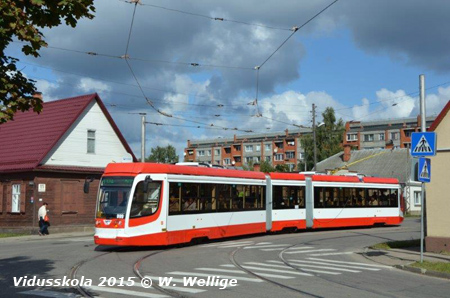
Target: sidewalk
x=402, y=258
x=52, y=236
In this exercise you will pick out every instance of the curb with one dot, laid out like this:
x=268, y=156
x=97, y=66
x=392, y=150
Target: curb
x=423, y=271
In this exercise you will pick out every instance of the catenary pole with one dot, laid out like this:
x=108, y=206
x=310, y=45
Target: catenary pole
x=423, y=129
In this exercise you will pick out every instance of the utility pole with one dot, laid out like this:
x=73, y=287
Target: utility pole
x=423, y=124
x=143, y=137
x=314, y=135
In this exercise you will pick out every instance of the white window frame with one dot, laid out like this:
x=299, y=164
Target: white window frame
x=248, y=148
x=200, y=153
x=290, y=155
x=248, y=159
x=381, y=136
x=208, y=152
x=279, y=157
x=91, y=141
x=417, y=198
x=257, y=159
x=268, y=159
x=216, y=151
x=394, y=135
x=352, y=137
x=227, y=161
x=267, y=147
x=15, y=202
x=301, y=155
x=258, y=148
x=368, y=138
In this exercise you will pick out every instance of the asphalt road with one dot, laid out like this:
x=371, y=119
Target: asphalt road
x=327, y=263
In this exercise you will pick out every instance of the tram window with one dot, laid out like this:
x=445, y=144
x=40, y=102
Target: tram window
x=145, y=204
x=188, y=198
x=288, y=197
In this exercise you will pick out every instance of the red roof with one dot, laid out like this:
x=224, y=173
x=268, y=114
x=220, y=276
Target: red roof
x=28, y=138
x=439, y=118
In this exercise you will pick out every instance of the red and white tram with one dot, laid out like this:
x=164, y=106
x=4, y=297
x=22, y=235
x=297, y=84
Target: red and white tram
x=145, y=204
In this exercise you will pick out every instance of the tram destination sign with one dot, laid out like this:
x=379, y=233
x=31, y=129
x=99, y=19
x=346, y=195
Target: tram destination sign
x=423, y=144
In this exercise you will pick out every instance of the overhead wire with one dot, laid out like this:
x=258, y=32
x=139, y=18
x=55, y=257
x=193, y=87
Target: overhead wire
x=222, y=19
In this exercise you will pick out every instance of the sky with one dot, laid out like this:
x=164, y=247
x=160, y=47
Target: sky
x=199, y=76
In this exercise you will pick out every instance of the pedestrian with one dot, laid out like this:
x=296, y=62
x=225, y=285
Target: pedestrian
x=43, y=220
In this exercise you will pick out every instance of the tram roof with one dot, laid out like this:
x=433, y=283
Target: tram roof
x=156, y=168
x=333, y=178
x=125, y=169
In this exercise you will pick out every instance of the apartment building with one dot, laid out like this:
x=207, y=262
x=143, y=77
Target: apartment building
x=382, y=134
x=275, y=148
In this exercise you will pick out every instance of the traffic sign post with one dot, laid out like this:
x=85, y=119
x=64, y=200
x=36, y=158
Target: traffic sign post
x=424, y=169
x=423, y=144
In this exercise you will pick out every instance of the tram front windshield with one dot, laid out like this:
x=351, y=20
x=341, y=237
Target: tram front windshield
x=113, y=197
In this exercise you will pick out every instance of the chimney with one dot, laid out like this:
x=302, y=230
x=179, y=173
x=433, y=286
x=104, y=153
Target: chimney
x=347, y=153
x=189, y=143
x=37, y=95
x=287, y=132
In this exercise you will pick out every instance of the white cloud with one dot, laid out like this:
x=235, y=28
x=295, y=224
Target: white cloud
x=91, y=85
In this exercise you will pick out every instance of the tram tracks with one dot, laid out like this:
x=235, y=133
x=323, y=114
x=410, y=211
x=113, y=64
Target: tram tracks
x=136, y=270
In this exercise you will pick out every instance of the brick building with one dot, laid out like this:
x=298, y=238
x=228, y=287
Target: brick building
x=382, y=134
x=275, y=148
x=46, y=157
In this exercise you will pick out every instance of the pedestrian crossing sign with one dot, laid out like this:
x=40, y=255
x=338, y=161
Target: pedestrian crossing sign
x=423, y=144
x=424, y=169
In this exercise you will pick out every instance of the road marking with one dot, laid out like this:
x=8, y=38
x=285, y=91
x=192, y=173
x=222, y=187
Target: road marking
x=350, y=263
x=262, y=274
x=332, y=254
x=265, y=246
x=323, y=267
x=269, y=265
x=209, y=275
x=262, y=243
x=276, y=270
x=272, y=249
x=307, y=251
x=126, y=292
x=222, y=270
x=336, y=265
x=320, y=271
x=235, y=245
x=300, y=248
x=53, y=294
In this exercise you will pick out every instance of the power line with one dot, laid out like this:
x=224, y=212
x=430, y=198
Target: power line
x=295, y=29
x=131, y=27
x=127, y=56
x=221, y=19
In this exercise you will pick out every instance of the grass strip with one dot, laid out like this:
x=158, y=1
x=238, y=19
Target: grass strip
x=434, y=266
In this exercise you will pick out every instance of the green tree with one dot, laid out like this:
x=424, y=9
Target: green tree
x=163, y=155
x=282, y=168
x=22, y=20
x=328, y=139
x=266, y=167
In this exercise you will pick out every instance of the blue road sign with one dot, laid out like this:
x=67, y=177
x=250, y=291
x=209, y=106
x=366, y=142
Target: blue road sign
x=424, y=169
x=423, y=144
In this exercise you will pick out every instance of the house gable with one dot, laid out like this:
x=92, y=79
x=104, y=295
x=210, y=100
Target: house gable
x=72, y=147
